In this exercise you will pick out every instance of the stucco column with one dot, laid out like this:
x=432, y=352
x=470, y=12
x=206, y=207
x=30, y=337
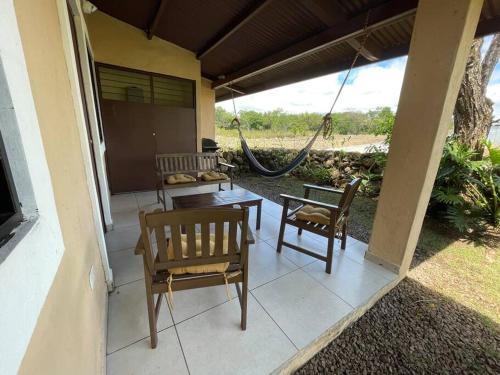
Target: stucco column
x=442, y=36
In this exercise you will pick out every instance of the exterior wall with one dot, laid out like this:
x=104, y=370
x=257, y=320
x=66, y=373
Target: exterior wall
x=70, y=333
x=30, y=259
x=117, y=43
x=207, y=98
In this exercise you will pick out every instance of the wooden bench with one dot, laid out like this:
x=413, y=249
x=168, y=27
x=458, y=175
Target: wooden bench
x=188, y=163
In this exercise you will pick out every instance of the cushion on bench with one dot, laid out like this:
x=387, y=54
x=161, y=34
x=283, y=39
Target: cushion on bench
x=203, y=268
x=180, y=178
x=314, y=214
x=214, y=176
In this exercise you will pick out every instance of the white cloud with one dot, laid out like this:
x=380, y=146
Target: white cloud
x=493, y=93
x=369, y=87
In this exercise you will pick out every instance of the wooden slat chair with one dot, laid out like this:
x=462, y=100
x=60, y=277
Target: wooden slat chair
x=335, y=225
x=168, y=265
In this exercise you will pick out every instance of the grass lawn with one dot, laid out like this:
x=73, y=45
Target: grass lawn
x=229, y=139
x=465, y=270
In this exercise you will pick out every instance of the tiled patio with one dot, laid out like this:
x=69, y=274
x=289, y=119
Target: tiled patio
x=292, y=302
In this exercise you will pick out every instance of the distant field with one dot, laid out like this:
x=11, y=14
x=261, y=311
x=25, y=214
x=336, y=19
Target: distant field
x=268, y=139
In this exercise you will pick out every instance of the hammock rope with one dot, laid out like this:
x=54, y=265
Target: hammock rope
x=326, y=125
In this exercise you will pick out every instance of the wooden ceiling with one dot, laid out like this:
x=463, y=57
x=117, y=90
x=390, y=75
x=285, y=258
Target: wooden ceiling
x=255, y=45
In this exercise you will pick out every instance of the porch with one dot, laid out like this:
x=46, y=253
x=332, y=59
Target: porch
x=54, y=267
x=295, y=308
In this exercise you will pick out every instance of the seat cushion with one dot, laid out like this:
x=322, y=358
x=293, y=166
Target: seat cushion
x=213, y=176
x=180, y=178
x=203, y=268
x=314, y=214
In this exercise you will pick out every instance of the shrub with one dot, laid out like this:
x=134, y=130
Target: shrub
x=466, y=189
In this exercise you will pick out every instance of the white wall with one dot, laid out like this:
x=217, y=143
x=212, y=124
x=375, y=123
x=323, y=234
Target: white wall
x=31, y=258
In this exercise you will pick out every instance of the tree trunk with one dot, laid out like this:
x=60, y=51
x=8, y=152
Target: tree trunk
x=473, y=112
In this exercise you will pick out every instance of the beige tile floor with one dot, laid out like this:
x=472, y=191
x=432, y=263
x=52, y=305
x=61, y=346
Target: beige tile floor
x=292, y=301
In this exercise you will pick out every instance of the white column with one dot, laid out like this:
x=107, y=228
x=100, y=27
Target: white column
x=442, y=35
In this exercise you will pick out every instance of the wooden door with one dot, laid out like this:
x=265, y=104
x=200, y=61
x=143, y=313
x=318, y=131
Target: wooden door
x=134, y=132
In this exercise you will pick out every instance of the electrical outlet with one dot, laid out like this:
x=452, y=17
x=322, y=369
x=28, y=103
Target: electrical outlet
x=92, y=277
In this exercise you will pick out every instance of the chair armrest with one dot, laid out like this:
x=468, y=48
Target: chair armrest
x=250, y=237
x=226, y=165
x=321, y=188
x=139, y=248
x=309, y=201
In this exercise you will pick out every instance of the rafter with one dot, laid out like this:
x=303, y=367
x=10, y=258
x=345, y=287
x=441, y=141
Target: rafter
x=330, y=13
x=351, y=28
x=156, y=20
x=233, y=26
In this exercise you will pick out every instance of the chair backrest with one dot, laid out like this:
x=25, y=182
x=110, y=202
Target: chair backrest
x=221, y=223
x=186, y=162
x=348, y=195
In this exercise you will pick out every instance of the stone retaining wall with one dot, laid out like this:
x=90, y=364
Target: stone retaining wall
x=325, y=167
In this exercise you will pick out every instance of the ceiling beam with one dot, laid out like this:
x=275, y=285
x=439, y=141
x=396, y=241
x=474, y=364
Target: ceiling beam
x=368, y=50
x=235, y=89
x=156, y=20
x=330, y=13
x=313, y=72
x=233, y=26
x=351, y=28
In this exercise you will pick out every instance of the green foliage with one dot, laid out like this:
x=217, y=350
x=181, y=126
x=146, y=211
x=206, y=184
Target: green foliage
x=371, y=180
x=377, y=122
x=467, y=189
x=223, y=118
x=382, y=122
x=315, y=174
x=321, y=175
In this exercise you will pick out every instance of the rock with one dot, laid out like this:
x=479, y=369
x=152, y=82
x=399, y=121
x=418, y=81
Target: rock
x=329, y=163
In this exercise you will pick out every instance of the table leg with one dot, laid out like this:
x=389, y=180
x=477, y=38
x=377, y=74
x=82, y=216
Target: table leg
x=259, y=212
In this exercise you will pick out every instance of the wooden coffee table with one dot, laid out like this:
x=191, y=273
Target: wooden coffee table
x=226, y=198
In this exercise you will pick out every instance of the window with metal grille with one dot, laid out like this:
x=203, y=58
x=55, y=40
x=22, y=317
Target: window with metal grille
x=10, y=211
x=145, y=87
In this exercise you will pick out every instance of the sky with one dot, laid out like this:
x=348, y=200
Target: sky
x=368, y=87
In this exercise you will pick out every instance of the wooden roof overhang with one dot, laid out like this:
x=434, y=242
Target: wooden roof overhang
x=256, y=45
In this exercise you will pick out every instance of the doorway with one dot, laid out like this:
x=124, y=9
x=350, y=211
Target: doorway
x=143, y=114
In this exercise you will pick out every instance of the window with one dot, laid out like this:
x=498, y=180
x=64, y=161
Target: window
x=10, y=212
x=94, y=91
x=143, y=87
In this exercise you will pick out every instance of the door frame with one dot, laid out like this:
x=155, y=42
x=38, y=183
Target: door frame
x=70, y=12
x=151, y=75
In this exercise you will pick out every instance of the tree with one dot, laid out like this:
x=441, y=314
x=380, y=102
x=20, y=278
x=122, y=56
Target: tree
x=473, y=114
x=382, y=120
x=222, y=118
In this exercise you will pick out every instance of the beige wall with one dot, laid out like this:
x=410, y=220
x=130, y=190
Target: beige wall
x=69, y=336
x=207, y=98
x=115, y=42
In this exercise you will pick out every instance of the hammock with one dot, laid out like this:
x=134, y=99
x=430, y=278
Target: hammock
x=326, y=126
x=260, y=169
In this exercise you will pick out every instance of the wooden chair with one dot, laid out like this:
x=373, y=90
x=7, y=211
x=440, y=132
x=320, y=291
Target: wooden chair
x=188, y=163
x=335, y=226
x=163, y=259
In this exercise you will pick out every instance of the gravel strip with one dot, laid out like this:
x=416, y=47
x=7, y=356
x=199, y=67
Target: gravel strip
x=412, y=330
